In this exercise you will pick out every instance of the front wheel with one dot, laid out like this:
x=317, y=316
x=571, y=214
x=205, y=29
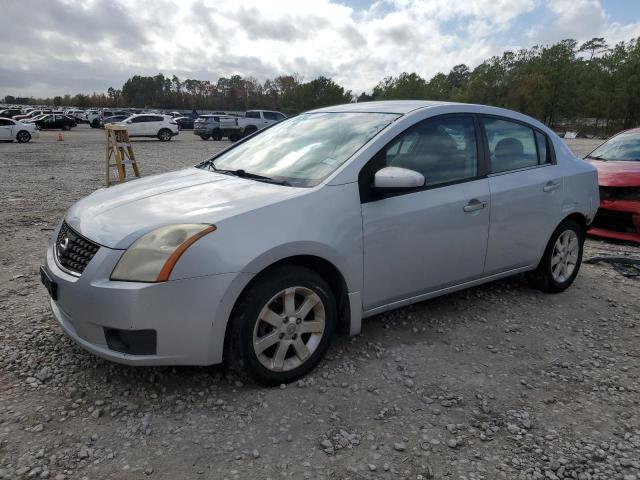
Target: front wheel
x=164, y=135
x=204, y=137
x=561, y=260
x=282, y=325
x=66, y=128
x=23, y=136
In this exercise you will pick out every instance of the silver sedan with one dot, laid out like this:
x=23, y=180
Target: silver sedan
x=259, y=254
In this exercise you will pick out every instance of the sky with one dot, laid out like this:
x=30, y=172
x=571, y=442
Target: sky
x=53, y=47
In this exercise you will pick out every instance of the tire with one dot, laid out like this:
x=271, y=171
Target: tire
x=234, y=137
x=164, y=135
x=95, y=124
x=205, y=137
x=216, y=135
x=23, y=136
x=561, y=260
x=66, y=128
x=249, y=130
x=292, y=345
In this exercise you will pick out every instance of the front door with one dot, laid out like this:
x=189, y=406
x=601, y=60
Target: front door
x=5, y=129
x=433, y=238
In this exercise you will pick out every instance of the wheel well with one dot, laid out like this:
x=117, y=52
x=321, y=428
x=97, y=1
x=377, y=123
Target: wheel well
x=327, y=271
x=578, y=217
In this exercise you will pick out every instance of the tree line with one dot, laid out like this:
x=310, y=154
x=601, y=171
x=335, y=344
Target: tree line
x=594, y=82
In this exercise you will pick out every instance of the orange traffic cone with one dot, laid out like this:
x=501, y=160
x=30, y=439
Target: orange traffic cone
x=60, y=137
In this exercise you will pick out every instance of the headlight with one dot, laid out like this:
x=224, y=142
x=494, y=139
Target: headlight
x=152, y=257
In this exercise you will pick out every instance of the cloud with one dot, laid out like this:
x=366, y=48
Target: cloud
x=69, y=46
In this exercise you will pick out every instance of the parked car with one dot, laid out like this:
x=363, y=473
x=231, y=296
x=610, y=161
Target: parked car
x=260, y=253
x=78, y=115
x=9, y=112
x=31, y=114
x=217, y=127
x=255, y=120
x=11, y=130
x=618, y=164
x=55, y=122
x=162, y=127
x=184, y=123
x=113, y=119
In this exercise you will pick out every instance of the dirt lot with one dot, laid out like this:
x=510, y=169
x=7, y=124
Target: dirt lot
x=499, y=381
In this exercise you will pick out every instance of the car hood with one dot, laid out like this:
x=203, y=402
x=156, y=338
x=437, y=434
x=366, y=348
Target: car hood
x=617, y=174
x=116, y=216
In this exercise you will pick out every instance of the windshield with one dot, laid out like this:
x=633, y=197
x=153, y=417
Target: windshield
x=623, y=147
x=303, y=150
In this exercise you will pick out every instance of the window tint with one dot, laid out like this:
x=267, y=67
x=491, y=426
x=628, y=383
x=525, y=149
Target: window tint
x=139, y=119
x=443, y=150
x=511, y=145
x=252, y=115
x=272, y=116
x=4, y=123
x=156, y=118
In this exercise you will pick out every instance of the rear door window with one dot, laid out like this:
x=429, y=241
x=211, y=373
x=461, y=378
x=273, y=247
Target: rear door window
x=253, y=115
x=513, y=146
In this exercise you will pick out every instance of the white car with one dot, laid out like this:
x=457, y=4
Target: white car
x=255, y=120
x=11, y=130
x=163, y=127
x=260, y=253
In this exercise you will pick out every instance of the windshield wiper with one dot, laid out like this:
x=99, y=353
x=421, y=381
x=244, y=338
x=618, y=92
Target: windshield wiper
x=244, y=174
x=597, y=157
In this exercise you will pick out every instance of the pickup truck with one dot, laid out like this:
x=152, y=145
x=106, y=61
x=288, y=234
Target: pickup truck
x=255, y=120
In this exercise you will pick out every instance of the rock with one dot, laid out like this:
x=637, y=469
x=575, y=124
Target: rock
x=399, y=447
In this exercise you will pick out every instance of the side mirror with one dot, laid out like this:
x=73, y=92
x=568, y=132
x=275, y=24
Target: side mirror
x=396, y=179
x=128, y=121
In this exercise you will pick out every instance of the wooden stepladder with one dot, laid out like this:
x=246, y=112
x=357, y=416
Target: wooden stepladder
x=119, y=149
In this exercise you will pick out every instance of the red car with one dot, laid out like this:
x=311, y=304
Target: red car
x=618, y=164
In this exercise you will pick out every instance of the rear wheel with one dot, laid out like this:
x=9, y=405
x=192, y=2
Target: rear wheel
x=249, y=130
x=95, y=123
x=205, y=137
x=234, y=137
x=164, y=135
x=23, y=136
x=66, y=127
x=281, y=326
x=561, y=260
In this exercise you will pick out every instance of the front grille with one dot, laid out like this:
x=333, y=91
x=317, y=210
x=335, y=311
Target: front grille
x=620, y=193
x=614, y=221
x=73, y=251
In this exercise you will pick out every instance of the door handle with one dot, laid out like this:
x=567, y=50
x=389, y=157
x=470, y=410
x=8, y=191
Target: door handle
x=474, y=205
x=551, y=186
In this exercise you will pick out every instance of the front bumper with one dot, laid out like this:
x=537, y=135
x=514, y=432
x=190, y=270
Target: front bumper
x=182, y=313
x=618, y=220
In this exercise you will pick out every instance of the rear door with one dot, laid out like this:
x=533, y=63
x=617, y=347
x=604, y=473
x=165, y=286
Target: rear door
x=526, y=193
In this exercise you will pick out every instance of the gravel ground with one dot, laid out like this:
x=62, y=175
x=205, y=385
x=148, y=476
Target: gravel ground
x=500, y=381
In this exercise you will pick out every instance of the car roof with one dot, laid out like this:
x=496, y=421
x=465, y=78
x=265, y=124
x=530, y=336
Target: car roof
x=632, y=130
x=389, y=106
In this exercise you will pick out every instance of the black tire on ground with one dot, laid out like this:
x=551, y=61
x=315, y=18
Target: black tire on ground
x=216, y=135
x=205, y=137
x=240, y=355
x=23, y=136
x=542, y=277
x=66, y=127
x=95, y=123
x=234, y=137
x=164, y=135
x=249, y=130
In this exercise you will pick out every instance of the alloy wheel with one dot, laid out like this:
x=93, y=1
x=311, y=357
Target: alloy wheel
x=565, y=256
x=289, y=328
